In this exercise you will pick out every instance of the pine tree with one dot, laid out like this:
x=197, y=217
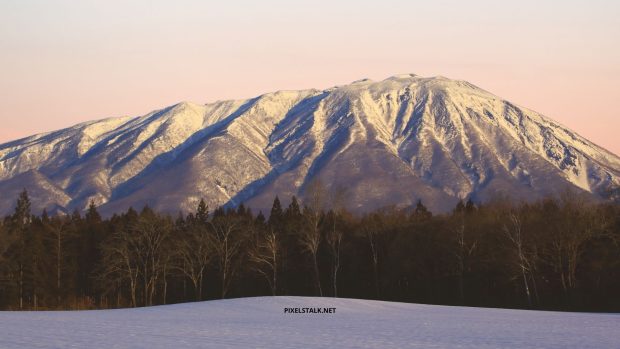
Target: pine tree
x=22, y=216
x=36, y=266
x=421, y=212
x=275, y=217
x=44, y=216
x=260, y=218
x=76, y=217
x=92, y=215
x=89, y=254
x=131, y=215
x=293, y=210
x=202, y=212
x=241, y=210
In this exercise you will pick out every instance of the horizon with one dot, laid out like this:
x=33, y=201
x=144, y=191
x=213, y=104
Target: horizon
x=65, y=63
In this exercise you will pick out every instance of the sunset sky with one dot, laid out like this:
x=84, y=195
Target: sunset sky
x=65, y=62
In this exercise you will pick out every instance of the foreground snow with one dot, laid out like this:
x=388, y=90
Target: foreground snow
x=261, y=323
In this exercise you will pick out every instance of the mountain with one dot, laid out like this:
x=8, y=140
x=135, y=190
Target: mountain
x=388, y=142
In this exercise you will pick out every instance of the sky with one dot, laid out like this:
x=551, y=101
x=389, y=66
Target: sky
x=64, y=62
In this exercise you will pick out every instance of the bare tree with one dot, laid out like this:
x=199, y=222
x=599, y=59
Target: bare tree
x=166, y=267
x=310, y=238
x=513, y=229
x=372, y=227
x=154, y=232
x=334, y=237
x=265, y=254
x=195, y=252
x=577, y=223
x=120, y=264
x=334, y=234
x=139, y=252
x=60, y=232
x=465, y=249
x=227, y=248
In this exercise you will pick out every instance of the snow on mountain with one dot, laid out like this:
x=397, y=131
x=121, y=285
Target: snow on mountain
x=388, y=142
x=262, y=323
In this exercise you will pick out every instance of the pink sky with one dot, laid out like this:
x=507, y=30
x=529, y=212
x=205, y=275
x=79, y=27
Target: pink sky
x=66, y=62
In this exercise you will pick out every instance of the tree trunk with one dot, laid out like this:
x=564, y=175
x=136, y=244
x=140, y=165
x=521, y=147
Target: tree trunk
x=145, y=292
x=132, y=285
x=335, y=278
x=199, y=294
x=461, y=286
x=21, y=286
x=184, y=281
x=58, y=268
x=375, y=265
x=165, y=284
x=316, y=275
x=527, y=289
x=274, y=285
x=535, y=289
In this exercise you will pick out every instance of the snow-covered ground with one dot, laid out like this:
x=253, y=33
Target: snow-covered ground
x=262, y=323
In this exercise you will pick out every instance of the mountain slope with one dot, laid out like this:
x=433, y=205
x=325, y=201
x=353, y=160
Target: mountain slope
x=389, y=142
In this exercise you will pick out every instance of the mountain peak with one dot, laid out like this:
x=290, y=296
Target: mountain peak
x=362, y=81
x=187, y=104
x=402, y=76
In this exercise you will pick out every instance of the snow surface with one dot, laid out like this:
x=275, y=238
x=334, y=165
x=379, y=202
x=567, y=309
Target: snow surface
x=261, y=323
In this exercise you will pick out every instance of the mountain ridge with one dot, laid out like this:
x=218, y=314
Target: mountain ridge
x=395, y=141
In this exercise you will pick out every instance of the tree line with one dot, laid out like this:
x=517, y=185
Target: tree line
x=556, y=253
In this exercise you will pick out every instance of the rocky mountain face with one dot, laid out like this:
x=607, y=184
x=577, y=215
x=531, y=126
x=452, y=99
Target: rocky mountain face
x=390, y=142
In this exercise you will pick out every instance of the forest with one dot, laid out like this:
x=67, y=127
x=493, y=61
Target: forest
x=559, y=253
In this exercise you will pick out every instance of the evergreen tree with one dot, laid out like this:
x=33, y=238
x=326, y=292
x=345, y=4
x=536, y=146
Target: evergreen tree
x=260, y=218
x=22, y=217
x=44, y=216
x=202, y=212
x=92, y=215
x=275, y=217
x=36, y=266
x=241, y=210
x=293, y=210
x=421, y=212
x=131, y=214
x=76, y=217
x=147, y=211
x=90, y=235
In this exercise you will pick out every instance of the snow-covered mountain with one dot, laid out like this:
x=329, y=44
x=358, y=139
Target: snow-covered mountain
x=389, y=142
